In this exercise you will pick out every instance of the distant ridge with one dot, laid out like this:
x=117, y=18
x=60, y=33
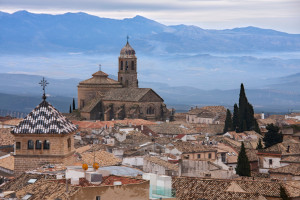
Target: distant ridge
x=25, y=32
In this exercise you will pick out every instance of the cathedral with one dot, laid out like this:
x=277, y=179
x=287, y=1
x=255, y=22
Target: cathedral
x=102, y=98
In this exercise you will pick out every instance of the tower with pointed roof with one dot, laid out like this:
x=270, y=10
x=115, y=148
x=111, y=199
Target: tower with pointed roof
x=127, y=74
x=44, y=136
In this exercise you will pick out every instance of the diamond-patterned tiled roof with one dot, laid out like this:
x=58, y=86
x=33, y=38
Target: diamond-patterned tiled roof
x=44, y=119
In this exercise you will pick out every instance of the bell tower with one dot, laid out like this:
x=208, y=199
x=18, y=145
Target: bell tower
x=127, y=74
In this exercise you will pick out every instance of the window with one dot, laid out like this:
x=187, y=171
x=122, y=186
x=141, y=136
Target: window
x=81, y=103
x=27, y=196
x=38, y=144
x=150, y=111
x=121, y=65
x=46, y=144
x=132, y=65
x=199, y=156
x=223, y=157
x=69, y=143
x=209, y=155
x=126, y=66
x=33, y=180
x=98, y=198
x=270, y=161
x=30, y=144
x=18, y=145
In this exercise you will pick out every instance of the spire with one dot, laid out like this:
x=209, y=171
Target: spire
x=127, y=39
x=44, y=83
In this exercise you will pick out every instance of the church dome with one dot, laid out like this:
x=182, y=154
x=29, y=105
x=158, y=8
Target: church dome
x=127, y=51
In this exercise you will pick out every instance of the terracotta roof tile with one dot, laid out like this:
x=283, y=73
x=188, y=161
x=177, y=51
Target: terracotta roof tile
x=7, y=162
x=293, y=169
x=195, y=188
x=102, y=157
x=163, y=163
x=6, y=138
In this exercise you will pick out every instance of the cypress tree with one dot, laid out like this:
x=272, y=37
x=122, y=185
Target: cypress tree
x=259, y=145
x=283, y=194
x=243, y=165
x=249, y=116
x=246, y=118
x=273, y=136
x=228, y=122
x=256, y=127
x=73, y=104
x=242, y=109
x=70, y=109
x=235, y=118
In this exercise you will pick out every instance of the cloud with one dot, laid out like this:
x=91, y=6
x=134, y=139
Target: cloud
x=215, y=14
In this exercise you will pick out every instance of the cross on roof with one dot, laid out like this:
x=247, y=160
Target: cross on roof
x=44, y=83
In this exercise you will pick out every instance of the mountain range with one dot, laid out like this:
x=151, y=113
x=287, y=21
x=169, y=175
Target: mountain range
x=185, y=65
x=25, y=32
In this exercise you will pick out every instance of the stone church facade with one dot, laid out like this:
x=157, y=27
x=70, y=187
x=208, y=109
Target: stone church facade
x=102, y=98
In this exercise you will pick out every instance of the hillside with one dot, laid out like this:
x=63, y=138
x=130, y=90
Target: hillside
x=24, y=32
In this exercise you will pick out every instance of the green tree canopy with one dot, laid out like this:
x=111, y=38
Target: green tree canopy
x=243, y=165
x=228, y=122
x=235, y=118
x=273, y=136
x=74, y=104
x=259, y=145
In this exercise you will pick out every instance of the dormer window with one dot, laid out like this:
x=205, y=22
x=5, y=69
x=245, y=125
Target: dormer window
x=38, y=144
x=30, y=144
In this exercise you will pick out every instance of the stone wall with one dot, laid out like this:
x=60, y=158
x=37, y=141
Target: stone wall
x=59, y=152
x=139, y=191
x=58, y=144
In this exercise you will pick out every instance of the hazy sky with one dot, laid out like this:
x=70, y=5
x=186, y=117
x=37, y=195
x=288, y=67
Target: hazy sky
x=281, y=15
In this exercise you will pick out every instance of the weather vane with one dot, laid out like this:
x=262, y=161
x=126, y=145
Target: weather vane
x=44, y=83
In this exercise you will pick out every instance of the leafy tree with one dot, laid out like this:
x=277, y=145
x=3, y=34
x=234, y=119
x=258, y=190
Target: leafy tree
x=228, y=122
x=243, y=165
x=259, y=145
x=283, y=194
x=70, y=109
x=74, y=104
x=235, y=118
x=273, y=136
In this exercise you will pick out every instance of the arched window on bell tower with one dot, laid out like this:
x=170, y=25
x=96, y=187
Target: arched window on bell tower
x=126, y=65
x=132, y=65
